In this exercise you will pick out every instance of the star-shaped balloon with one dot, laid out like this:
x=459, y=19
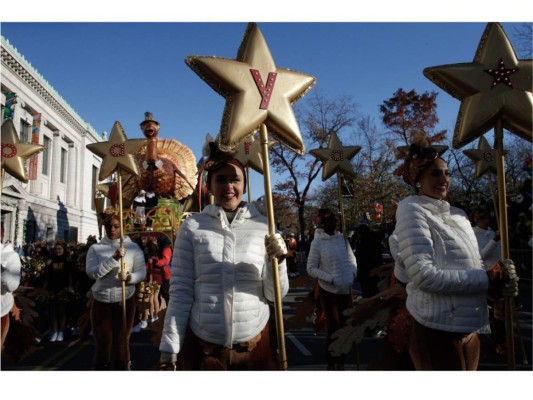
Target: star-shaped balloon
x=118, y=152
x=336, y=157
x=256, y=92
x=14, y=152
x=496, y=85
x=484, y=157
x=248, y=152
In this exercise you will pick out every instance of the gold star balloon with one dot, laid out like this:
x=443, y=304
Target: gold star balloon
x=14, y=152
x=484, y=157
x=248, y=152
x=256, y=92
x=496, y=85
x=118, y=152
x=336, y=157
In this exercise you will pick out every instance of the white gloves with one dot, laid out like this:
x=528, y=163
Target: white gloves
x=510, y=288
x=124, y=275
x=275, y=246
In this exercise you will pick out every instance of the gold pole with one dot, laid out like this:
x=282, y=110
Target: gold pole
x=494, y=203
x=341, y=204
x=122, y=265
x=502, y=197
x=271, y=230
x=248, y=184
x=343, y=227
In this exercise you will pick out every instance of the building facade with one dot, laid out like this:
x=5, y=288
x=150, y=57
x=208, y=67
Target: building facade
x=57, y=201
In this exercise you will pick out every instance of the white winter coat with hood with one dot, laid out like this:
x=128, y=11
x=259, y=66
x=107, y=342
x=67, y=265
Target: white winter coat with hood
x=332, y=261
x=103, y=268
x=447, y=287
x=221, y=279
x=10, y=276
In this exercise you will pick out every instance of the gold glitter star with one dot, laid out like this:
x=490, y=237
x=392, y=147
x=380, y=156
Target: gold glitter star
x=336, y=157
x=496, y=85
x=118, y=152
x=484, y=157
x=14, y=152
x=248, y=152
x=256, y=92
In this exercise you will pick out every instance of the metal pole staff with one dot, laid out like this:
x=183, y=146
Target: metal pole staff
x=504, y=230
x=122, y=264
x=271, y=230
x=248, y=184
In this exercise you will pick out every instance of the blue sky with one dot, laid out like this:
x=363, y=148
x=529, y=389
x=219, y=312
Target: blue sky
x=109, y=71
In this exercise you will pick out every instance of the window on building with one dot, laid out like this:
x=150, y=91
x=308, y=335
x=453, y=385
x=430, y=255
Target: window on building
x=45, y=153
x=63, y=170
x=93, y=188
x=25, y=131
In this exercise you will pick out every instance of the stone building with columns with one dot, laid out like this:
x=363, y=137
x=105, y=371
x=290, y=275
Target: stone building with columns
x=57, y=201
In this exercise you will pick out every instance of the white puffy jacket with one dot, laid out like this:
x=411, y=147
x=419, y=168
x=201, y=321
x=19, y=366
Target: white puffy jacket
x=10, y=276
x=447, y=287
x=221, y=279
x=332, y=261
x=399, y=268
x=104, y=269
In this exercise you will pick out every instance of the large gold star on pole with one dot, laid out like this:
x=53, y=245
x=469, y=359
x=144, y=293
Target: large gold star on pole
x=256, y=92
x=14, y=152
x=248, y=152
x=118, y=152
x=336, y=157
x=484, y=157
x=496, y=85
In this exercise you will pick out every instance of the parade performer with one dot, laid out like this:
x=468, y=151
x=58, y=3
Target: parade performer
x=447, y=288
x=218, y=316
x=333, y=263
x=11, y=267
x=104, y=265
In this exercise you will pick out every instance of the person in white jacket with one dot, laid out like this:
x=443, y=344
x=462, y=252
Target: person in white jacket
x=447, y=285
x=10, y=274
x=221, y=281
x=103, y=264
x=333, y=263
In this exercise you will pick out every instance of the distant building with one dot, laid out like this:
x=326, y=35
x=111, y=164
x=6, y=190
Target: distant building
x=57, y=202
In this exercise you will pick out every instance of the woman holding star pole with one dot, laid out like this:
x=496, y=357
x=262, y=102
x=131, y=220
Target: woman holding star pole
x=447, y=284
x=103, y=264
x=218, y=316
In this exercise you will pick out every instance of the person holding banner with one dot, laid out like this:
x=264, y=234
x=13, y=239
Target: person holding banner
x=104, y=266
x=447, y=285
x=218, y=315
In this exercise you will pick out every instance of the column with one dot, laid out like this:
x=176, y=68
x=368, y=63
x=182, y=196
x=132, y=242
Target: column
x=72, y=166
x=55, y=155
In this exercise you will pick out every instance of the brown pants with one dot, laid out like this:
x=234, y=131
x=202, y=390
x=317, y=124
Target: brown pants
x=109, y=336
x=333, y=306
x=5, y=328
x=257, y=354
x=436, y=350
